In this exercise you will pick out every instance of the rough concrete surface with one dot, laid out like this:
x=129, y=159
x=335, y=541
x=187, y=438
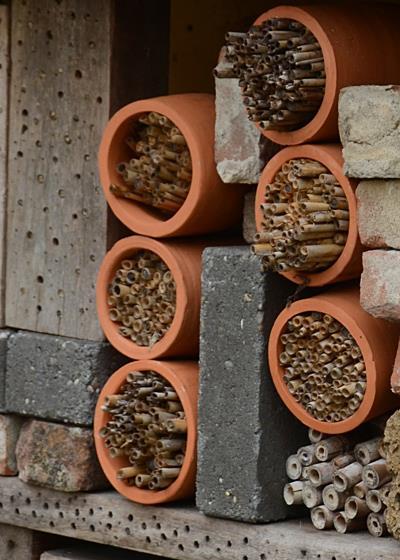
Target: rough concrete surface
x=4, y=334
x=378, y=204
x=57, y=378
x=17, y=543
x=245, y=431
x=369, y=118
x=240, y=150
x=380, y=284
x=58, y=457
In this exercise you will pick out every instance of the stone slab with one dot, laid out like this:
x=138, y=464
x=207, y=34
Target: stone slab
x=10, y=427
x=378, y=204
x=245, y=431
x=96, y=552
x=57, y=378
x=241, y=151
x=380, y=284
x=369, y=131
x=58, y=457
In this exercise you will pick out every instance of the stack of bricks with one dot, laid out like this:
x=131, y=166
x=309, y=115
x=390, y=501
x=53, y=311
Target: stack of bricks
x=368, y=124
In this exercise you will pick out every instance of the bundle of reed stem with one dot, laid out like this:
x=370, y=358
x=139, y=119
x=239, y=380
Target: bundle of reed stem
x=345, y=484
x=323, y=366
x=147, y=427
x=281, y=71
x=142, y=298
x=305, y=219
x=160, y=171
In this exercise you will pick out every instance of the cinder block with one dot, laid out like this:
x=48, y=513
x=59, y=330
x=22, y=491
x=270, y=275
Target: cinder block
x=378, y=204
x=17, y=543
x=57, y=378
x=249, y=217
x=4, y=335
x=241, y=151
x=380, y=284
x=58, y=457
x=368, y=127
x=245, y=431
x=10, y=427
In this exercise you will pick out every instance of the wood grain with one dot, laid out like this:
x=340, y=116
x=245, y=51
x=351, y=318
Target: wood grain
x=178, y=531
x=4, y=88
x=64, y=54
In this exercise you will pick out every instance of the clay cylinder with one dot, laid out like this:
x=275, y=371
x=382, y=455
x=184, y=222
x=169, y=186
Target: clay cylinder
x=337, y=29
x=183, y=377
x=348, y=265
x=210, y=204
x=183, y=259
x=377, y=340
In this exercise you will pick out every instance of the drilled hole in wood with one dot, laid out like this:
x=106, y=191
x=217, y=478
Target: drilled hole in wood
x=51, y=523
x=60, y=94
x=34, y=514
x=175, y=533
x=28, y=501
x=74, y=216
x=163, y=536
x=41, y=280
x=158, y=526
x=17, y=511
x=45, y=505
x=148, y=540
x=144, y=526
x=130, y=517
x=20, y=154
x=99, y=99
x=109, y=526
x=245, y=540
x=61, y=515
x=181, y=547
x=10, y=544
x=92, y=528
x=55, y=241
x=207, y=538
x=196, y=544
x=78, y=74
x=25, y=112
x=187, y=528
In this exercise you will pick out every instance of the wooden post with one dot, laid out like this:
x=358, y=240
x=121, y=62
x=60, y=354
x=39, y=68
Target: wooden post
x=74, y=63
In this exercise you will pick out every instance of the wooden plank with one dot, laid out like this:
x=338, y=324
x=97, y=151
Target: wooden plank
x=64, y=54
x=178, y=531
x=4, y=87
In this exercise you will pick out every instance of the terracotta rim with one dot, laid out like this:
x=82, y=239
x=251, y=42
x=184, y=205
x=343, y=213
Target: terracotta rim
x=275, y=348
x=307, y=132
x=152, y=223
x=183, y=486
x=329, y=155
x=123, y=249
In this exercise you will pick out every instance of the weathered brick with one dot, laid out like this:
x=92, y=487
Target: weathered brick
x=378, y=205
x=58, y=457
x=369, y=131
x=245, y=431
x=10, y=427
x=57, y=378
x=249, y=218
x=240, y=150
x=380, y=284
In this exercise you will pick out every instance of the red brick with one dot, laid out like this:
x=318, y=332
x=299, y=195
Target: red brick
x=380, y=284
x=58, y=457
x=10, y=427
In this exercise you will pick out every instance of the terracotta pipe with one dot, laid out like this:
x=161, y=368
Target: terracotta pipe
x=183, y=259
x=358, y=48
x=349, y=263
x=183, y=377
x=377, y=340
x=210, y=204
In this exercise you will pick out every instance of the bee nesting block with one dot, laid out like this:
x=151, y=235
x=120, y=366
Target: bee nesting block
x=147, y=427
x=323, y=366
x=159, y=172
x=305, y=218
x=142, y=298
x=281, y=71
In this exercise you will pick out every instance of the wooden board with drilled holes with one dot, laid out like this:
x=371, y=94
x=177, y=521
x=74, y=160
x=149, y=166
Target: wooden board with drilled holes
x=178, y=531
x=73, y=64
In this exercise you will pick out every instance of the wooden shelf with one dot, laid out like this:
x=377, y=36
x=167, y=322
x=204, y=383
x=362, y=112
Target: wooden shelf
x=177, y=531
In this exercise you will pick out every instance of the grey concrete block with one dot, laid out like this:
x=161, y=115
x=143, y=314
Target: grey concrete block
x=249, y=217
x=17, y=543
x=245, y=431
x=241, y=151
x=57, y=378
x=369, y=131
x=4, y=335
